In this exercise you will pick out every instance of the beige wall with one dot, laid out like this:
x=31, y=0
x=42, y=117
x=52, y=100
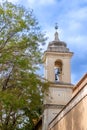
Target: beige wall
x=76, y=119
x=80, y=115
x=49, y=60
x=58, y=96
x=74, y=116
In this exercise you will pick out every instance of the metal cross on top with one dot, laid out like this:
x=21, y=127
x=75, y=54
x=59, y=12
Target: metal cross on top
x=56, y=26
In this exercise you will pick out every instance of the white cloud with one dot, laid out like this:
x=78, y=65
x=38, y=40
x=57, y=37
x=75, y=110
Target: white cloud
x=13, y=1
x=74, y=19
x=74, y=28
x=74, y=25
x=36, y=3
x=45, y=2
x=78, y=44
x=79, y=13
x=78, y=39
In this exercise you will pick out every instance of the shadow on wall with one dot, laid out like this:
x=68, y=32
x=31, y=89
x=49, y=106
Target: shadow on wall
x=76, y=119
x=80, y=115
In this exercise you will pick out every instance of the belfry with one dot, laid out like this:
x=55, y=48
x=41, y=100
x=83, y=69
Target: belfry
x=57, y=66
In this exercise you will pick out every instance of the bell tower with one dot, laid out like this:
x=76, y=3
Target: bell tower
x=56, y=60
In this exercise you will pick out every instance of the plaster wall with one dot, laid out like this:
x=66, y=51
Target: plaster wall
x=49, y=115
x=56, y=99
x=58, y=95
x=74, y=116
x=49, y=66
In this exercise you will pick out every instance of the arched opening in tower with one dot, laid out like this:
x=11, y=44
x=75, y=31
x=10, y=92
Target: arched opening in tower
x=58, y=70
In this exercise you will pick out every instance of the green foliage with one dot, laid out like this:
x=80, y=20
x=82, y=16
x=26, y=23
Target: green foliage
x=21, y=90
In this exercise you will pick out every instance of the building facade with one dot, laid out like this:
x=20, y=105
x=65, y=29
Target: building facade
x=65, y=105
x=74, y=115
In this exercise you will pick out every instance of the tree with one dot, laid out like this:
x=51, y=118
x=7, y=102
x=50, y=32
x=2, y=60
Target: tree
x=21, y=90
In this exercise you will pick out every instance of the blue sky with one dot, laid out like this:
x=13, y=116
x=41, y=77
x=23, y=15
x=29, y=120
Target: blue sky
x=71, y=16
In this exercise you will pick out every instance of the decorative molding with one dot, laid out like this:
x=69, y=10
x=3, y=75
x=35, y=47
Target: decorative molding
x=80, y=82
x=52, y=54
x=61, y=85
x=53, y=106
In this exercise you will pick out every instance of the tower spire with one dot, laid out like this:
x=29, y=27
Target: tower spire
x=56, y=33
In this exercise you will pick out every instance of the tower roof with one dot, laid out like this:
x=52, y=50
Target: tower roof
x=56, y=44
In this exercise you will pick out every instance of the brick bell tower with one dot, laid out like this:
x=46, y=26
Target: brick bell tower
x=57, y=70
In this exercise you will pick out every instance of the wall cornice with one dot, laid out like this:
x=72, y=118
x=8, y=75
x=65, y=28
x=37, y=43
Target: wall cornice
x=52, y=54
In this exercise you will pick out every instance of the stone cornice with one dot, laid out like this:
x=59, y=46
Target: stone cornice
x=53, y=106
x=62, y=85
x=79, y=83
x=64, y=54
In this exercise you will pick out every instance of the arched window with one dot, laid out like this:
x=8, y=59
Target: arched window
x=58, y=70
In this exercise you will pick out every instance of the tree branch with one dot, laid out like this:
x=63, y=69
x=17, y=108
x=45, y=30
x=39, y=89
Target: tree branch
x=7, y=40
x=7, y=80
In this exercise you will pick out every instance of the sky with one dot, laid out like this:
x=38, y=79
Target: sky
x=71, y=16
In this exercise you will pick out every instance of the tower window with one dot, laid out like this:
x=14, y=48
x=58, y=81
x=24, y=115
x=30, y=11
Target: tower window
x=58, y=70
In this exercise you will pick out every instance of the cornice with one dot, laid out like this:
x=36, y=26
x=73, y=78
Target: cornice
x=80, y=81
x=62, y=85
x=53, y=106
x=63, y=54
